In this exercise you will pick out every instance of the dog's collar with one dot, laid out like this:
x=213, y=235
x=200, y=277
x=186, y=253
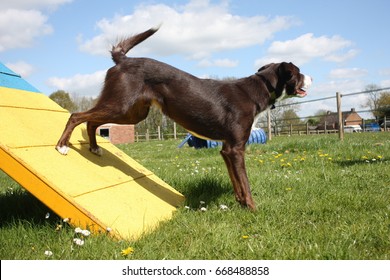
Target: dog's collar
x=271, y=90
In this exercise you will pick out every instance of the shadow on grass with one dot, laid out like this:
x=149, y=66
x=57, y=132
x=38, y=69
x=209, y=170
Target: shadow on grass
x=346, y=163
x=207, y=189
x=21, y=205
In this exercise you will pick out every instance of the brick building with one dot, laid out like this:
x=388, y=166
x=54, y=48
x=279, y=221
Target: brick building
x=331, y=119
x=117, y=134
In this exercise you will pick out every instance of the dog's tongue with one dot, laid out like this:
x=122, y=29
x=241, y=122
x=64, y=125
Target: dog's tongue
x=301, y=93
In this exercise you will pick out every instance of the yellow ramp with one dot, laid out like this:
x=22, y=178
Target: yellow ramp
x=111, y=192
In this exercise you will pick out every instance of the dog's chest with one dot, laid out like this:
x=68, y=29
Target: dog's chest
x=258, y=117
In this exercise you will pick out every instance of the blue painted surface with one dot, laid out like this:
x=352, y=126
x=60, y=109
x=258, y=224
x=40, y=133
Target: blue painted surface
x=257, y=136
x=10, y=79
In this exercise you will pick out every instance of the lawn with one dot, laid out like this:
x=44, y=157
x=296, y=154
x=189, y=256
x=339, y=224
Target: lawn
x=317, y=198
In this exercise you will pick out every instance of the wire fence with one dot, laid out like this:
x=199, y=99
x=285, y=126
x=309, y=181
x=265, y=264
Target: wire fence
x=337, y=121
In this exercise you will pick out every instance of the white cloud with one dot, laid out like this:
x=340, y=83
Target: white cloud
x=385, y=83
x=80, y=84
x=31, y=4
x=22, y=68
x=347, y=73
x=228, y=63
x=19, y=28
x=196, y=30
x=22, y=21
x=384, y=72
x=341, y=57
x=308, y=47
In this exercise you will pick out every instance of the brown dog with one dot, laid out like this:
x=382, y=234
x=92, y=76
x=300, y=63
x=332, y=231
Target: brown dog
x=211, y=109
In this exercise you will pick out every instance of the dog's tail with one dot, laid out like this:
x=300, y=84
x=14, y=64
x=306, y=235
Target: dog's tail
x=119, y=51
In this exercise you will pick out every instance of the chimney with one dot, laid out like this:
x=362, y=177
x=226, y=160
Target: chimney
x=353, y=110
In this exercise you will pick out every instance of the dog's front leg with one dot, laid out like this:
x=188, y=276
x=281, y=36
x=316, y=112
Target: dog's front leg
x=235, y=162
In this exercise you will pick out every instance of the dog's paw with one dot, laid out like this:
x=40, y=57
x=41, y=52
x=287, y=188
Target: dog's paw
x=98, y=151
x=63, y=150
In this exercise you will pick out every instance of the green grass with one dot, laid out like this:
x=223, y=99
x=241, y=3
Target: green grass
x=317, y=198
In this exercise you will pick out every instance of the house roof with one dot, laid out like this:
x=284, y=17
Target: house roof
x=333, y=118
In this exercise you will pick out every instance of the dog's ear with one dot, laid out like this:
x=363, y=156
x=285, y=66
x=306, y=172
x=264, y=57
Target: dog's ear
x=287, y=70
x=265, y=67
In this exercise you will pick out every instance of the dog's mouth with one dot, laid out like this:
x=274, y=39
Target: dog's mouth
x=301, y=92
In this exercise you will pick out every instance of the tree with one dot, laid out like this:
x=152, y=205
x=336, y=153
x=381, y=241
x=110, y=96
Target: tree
x=281, y=108
x=63, y=99
x=291, y=118
x=317, y=118
x=373, y=98
x=383, y=109
x=83, y=103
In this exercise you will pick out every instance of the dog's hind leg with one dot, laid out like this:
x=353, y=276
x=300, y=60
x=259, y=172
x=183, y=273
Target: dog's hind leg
x=94, y=115
x=91, y=129
x=74, y=120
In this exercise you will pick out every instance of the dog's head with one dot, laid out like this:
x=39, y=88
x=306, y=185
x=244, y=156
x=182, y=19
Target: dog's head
x=286, y=80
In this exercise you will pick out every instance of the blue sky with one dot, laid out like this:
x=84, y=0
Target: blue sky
x=64, y=44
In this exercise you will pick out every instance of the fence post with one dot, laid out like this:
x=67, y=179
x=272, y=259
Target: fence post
x=159, y=132
x=147, y=135
x=307, y=128
x=340, y=116
x=269, y=124
x=174, y=131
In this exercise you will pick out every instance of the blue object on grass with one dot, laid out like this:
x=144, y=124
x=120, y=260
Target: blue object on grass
x=257, y=136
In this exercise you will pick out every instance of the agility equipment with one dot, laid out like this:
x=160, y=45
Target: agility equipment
x=110, y=194
x=257, y=136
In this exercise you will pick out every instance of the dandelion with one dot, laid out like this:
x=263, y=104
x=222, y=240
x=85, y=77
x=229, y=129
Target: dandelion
x=47, y=215
x=78, y=230
x=58, y=227
x=127, y=251
x=245, y=236
x=203, y=209
x=78, y=241
x=66, y=220
x=288, y=189
x=48, y=253
x=108, y=229
x=187, y=207
x=202, y=202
